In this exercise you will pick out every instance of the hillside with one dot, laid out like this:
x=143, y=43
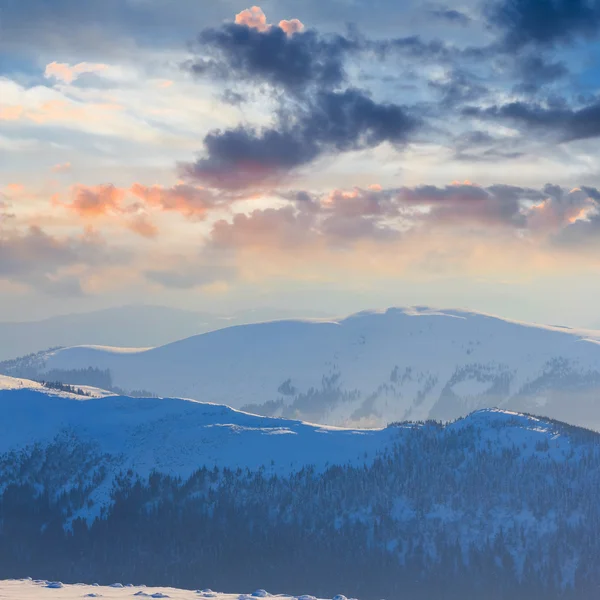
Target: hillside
x=136, y=325
x=365, y=370
x=171, y=435
x=176, y=492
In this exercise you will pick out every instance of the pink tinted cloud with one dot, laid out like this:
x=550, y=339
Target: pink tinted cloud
x=255, y=18
x=558, y=211
x=62, y=168
x=11, y=112
x=68, y=74
x=142, y=225
x=188, y=200
x=58, y=111
x=267, y=228
x=95, y=201
x=291, y=27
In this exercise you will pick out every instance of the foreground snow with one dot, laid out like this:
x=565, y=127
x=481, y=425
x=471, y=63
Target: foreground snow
x=28, y=590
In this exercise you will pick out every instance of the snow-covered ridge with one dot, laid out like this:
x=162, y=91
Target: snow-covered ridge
x=14, y=383
x=34, y=590
x=365, y=370
x=176, y=437
x=166, y=478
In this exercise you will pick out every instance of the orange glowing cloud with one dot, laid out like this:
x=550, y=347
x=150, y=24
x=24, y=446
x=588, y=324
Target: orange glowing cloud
x=189, y=200
x=68, y=74
x=291, y=27
x=62, y=168
x=95, y=201
x=143, y=226
x=58, y=111
x=11, y=112
x=554, y=213
x=255, y=18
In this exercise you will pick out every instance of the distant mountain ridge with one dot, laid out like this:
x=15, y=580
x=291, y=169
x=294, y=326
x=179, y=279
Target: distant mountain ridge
x=365, y=370
x=134, y=325
x=497, y=505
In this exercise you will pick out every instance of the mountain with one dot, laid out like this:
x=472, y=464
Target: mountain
x=141, y=326
x=27, y=590
x=171, y=435
x=366, y=370
x=176, y=492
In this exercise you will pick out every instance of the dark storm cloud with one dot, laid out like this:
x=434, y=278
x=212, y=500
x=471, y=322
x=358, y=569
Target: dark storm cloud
x=543, y=22
x=535, y=71
x=329, y=122
x=556, y=119
x=459, y=87
x=480, y=146
x=560, y=120
x=232, y=98
x=236, y=51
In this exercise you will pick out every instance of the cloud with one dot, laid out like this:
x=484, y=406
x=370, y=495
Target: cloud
x=95, y=201
x=47, y=263
x=331, y=122
x=292, y=26
x=59, y=111
x=343, y=218
x=451, y=15
x=457, y=87
x=270, y=228
x=543, y=22
x=466, y=204
x=68, y=74
x=254, y=18
x=186, y=273
x=560, y=209
x=62, y=168
x=142, y=225
x=286, y=56
x=536, y=71
x=480, y=146
x=189, y=200
x=11, y=112
x=559, y=120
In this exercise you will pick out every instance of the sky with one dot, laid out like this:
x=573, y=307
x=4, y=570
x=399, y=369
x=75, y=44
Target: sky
x=335, y=156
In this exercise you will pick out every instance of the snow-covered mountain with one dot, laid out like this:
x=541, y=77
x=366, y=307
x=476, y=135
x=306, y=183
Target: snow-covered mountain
x=135, y=325
x=366, y=370
x=171, y=435
x=177, y=492
x=26, y=589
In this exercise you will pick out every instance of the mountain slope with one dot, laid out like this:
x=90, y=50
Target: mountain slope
x=172, y=492
x=171, y=435
x=137, y=325
x=368, y=369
